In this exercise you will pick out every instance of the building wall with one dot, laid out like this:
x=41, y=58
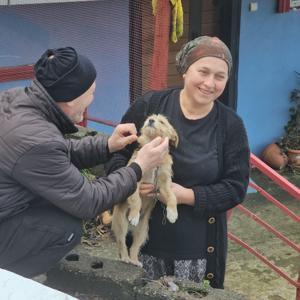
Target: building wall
x=98, y=29
x=269, y=56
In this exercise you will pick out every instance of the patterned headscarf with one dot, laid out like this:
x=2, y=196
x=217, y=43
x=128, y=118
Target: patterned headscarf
x=202, y=46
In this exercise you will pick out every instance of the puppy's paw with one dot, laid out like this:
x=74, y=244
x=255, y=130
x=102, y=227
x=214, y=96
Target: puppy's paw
x=106, y=217
x=172, y=214
x=134, y=220
x=136, y=263
x=126, y=259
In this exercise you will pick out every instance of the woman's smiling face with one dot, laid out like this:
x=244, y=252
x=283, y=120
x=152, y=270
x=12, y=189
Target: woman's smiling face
x=205, y=80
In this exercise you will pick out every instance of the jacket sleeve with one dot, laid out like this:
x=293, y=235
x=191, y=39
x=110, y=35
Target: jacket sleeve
x=231, y=189
x=47, y=172
x=88, y=151
x=135, y=114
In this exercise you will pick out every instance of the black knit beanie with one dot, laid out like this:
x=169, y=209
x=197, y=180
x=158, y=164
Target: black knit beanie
x=64, y=74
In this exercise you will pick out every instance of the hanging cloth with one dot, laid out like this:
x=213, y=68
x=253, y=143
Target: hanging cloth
x=177, y=18
x=159, y=64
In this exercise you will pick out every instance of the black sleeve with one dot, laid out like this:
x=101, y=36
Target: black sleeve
x=88, y=151
x=136, y=114
x=231, y=189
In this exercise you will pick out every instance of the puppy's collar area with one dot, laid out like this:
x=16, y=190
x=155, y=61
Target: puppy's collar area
x=156, y=187
x=157, y=194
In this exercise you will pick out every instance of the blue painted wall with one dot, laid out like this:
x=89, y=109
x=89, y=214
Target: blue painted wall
x=98, y=29
x=269, y=55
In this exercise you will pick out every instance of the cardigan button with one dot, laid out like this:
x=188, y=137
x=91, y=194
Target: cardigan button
x=211, y=220
x=210, y=275
x=210, y=249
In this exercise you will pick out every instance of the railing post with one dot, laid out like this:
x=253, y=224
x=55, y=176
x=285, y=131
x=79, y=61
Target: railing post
x=298, y=287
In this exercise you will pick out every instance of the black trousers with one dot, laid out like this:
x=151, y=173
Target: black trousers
x=34, y=240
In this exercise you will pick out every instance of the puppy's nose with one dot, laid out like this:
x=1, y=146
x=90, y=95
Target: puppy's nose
x=150, y=122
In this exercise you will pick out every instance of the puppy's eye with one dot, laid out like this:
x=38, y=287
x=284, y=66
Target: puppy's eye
x=161, y=122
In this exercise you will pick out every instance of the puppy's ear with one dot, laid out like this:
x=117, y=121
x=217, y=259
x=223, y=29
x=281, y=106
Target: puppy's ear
x=174, y=140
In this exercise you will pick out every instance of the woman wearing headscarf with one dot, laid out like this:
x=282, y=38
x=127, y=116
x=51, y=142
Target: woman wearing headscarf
x=211, y=166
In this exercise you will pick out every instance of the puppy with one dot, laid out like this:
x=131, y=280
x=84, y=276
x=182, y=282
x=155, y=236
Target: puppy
x=105, y=217
x=133, y=214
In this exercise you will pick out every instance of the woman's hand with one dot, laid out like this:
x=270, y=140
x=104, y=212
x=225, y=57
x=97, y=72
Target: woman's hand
x=147, y=190
x=183, y=195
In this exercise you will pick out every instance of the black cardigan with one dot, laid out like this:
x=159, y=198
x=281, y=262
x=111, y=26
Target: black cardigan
x=211, y=201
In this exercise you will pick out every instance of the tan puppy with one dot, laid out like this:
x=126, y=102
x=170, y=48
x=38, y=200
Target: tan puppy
x=133, y=215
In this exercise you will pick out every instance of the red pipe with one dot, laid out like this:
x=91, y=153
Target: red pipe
x=298, y=288
x=268, y=227
x=102, y=121
x=16, y=73
x=265, y=260
x=280, y=180
x=276, y=202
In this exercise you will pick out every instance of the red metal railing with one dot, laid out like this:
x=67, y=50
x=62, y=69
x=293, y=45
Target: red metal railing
x=16, y=73
x=275, y=177
x=293, y=191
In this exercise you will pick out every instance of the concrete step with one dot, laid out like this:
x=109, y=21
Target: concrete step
x=96, y=277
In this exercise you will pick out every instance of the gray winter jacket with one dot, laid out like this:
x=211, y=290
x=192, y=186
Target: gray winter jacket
x=37, y=162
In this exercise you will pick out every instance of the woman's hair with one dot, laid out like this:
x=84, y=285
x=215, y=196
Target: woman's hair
x=202, y=46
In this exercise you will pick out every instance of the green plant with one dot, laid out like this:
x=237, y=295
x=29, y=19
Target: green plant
x=203, y=289
x=291, y=139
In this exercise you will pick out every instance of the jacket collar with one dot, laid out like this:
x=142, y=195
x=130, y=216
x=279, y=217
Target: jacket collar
x=49, y=108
